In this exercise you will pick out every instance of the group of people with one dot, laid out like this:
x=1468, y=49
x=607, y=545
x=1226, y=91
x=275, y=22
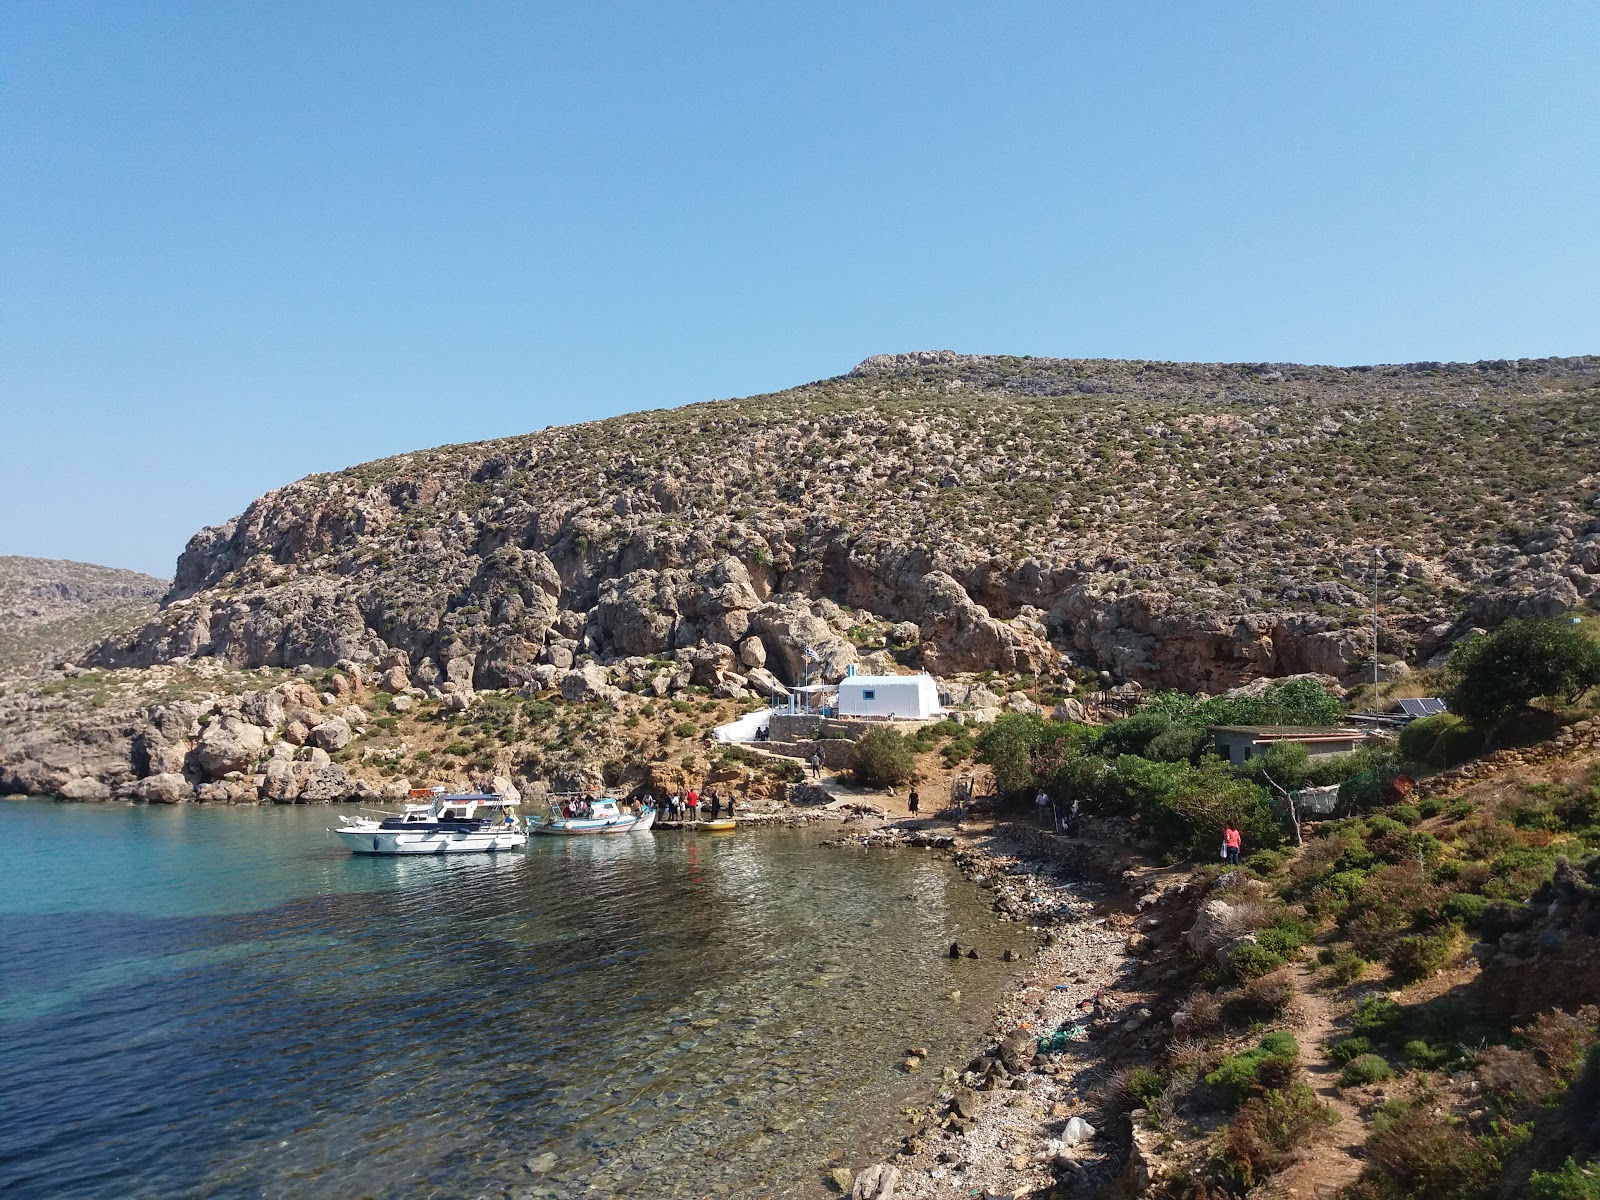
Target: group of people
x=580, y=808
x=692, y=806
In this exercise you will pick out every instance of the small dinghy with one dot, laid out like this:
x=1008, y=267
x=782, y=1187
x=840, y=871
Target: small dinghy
x=439, y=823
x=725, y=825
x=591, y=817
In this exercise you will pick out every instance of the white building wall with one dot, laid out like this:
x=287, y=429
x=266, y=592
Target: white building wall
x=910, y=696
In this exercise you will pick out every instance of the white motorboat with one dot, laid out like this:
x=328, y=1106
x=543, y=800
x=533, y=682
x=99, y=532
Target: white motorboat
x=437, y=823
x=591, y=817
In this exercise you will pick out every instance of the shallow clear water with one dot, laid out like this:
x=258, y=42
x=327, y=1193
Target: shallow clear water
x=224, y=1002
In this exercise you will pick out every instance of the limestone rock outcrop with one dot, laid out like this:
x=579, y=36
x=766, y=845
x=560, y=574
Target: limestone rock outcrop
x=1182, y=525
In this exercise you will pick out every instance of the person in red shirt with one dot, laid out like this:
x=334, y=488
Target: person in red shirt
x=694, y=805
x=1230, y=843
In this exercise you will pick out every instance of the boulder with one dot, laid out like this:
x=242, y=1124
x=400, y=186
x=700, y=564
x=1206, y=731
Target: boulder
x=84, y=788
x=332, y=734
x=589, y=682
x=504, y=788
x=875, y=1183
x=228, y=744
x=711, y=664
x=752, y=653
x=166, y=788
x=1070, y=710
x=264, y=709
x=394, y=680
x=765, y=682
x=325, y=784
x=402, y=704
x=1017, y=1051
x=280, y=785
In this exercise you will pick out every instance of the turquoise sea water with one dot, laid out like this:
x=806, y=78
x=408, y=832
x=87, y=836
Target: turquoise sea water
x=225, y=1003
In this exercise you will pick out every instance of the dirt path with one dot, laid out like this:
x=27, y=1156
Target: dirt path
x=1324, y=1169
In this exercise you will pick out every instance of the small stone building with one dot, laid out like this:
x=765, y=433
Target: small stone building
x=909, y=697
x=1240, y=743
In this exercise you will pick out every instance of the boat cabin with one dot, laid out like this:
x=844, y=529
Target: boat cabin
x=444, y=808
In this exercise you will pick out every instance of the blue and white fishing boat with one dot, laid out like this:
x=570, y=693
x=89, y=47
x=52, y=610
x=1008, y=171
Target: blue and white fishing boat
x=601, y=816
x=438, y=823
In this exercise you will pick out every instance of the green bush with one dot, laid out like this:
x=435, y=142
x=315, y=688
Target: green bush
x=882, y=758
x=1365, y=1068
x=1421, y=954
x=1347, y=967
x=1375, y=1017
x=1239, y=1073
x=1439, y=741
x=1280, y=940
x=686, y=729
x=1466, y=908
x=1282, y=1043
x=1405, y=814
x=1423, y=1056
x=1142, y=1087
x=1251, y=960
x=1348, y=1049
x=1571, y=1182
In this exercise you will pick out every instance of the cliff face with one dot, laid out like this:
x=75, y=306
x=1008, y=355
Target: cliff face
x=1187, y=525
x=49, y=607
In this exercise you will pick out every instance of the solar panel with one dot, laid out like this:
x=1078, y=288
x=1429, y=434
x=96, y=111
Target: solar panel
x=1432, y=706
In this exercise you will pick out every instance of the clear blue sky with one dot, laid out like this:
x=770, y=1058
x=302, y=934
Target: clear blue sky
x=243, y=242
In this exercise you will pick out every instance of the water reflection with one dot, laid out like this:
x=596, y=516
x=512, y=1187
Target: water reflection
x=637, y=1015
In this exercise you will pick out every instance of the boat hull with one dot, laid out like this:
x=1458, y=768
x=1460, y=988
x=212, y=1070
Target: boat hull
x=429, y=841
x=725, y=825
x=578, y=827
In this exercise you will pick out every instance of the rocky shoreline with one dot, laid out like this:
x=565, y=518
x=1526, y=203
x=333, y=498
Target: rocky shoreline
x=1038, y=1110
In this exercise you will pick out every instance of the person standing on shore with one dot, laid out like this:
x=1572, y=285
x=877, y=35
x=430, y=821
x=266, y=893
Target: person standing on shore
x=716, y=806
x=913, y=800
x=816, y=764
x=730, y=807
x=1231, y=842
x=694, y=804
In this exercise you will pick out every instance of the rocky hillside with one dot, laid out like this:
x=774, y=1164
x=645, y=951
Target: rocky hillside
x=1191, y=525
x=50, y=608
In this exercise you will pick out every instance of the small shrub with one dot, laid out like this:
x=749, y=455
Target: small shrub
x=1424, y=1057
x=1140, y=1087
x=1405, y=814
x=1262, y=998
x=1466, y=908
x=1241, y=1073
x=1346, y=1049
x=1431, y=807
x=1376, y=1017
x=1423, y=1155
x=1571, y=1182
x=686, y=729
x=1420, y=955
x=1267, y=862
x=1346, y=968
x=1267, y=1131
x=1365, y=1068
x=1250, y=960
x=1200, y=1015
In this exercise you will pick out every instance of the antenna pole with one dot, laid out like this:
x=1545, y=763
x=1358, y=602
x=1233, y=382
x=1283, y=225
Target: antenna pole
x=1377, y=557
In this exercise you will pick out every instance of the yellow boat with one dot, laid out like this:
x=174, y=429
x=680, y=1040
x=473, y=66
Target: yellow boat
x=726, y=825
